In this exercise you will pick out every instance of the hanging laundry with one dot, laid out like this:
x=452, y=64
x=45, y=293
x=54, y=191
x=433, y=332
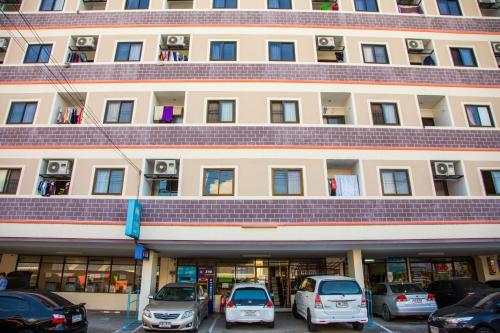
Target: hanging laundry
x=168, y=114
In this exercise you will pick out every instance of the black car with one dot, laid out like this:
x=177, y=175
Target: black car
x=493, y=283
x=40, y=311
x=477, y=313
x=448, y=292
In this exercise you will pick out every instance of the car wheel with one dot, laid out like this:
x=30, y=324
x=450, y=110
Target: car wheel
x=228, y=325
x=271, y=324
x=358, y=326
x=310, y=325
x=196, y=324
x=386, y=313
x=484, y=330
x=294, y=311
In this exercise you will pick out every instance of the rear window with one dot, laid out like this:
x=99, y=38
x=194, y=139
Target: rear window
x=405, y=288
x=249, y=296
x=480, y=300
x=468, y=286
x=51, y=300
x=339, y=288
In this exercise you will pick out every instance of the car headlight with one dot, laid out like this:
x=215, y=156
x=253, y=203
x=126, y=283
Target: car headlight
x=147, y=313
x=458, y=320
x=187, y=314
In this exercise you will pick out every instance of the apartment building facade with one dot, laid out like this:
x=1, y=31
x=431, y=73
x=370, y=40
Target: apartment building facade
x=266, y=140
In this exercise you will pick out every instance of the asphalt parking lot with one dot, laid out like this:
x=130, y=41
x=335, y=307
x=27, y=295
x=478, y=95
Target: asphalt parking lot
x=100, y=322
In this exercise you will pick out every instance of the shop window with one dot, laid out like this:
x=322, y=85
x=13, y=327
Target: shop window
x=38, y=53
x=245, y=274
x=449, y=7
x=279, y=4
x=442, y=271
x=218, y=182
x=491, y=181
x=128, y=51
x=22, y=113
x=221, y=112
x=396, y=270
x=98, y=274
x=137, y=4
x=366, y=5
x=51, y=5
x=375, y=54
x=186, y=274
x=225, y=279
x=280, y=51
x=479, y=116
x=74, y=274
x=421, y=273
x=9, y=180
x=385, y=114
x=118, y=112
x=225, y=4
x=463, y=57
x=285, y=112
x=223, y=51
x=108, y=181
x=122, y=276
x=395, y=182
x=288, y=182
x=30, y=264
x=51, y=273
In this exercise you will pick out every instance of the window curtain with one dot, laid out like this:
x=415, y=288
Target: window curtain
x=466, y=56
x=290, y=112
x=59, y=4
x=495, y=176
x=280, y=182
x=115, y=181
x=360, y=5
x=29, y=113
x=277, y=112
x=484, y=116
x=401, y=182
x=135, y=52
x=294, y=182
x=368, y=54
x=16, y=113
x=273, y=4
x=219, y=3
x=347, y=186
x=380, y=55
x=390, y=116
x=101, y=181
x=226, y=182
x=388, y=183
x=3, y=179
x=125, y=112
x=45, y=53
x=113, y=112
x=275, y=51
x=226, y=111
x=216, y=51
x=473, y=115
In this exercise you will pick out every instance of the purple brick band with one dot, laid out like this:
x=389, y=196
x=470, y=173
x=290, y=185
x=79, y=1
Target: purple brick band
x=327, y=73
x=256, y=18
x=250, y=136
x=252, y=211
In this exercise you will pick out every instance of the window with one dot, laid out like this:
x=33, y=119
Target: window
x=22, y=113
x=225, y=4
x=491, y=181
x=221, y=112
x=375, y=54
x=285, y=112
x=218, y=182
x=38, y=53
x=98, y=273
x=30, y=264
x=287, y=182
x=119, y=112
x=449, y=7
x=223, y=51
x=334, y=120
x=463, y=56
x=50, y=273
x=9, y=179
x=279, y=4
x=479, y=116
x=74, y=274
x=128, y=52
x=51, y=5
x=385, y=114
x=395, y=182
x=122, y=275
x=108, y=181
x=366, y=5
x=137, y=4
x=279, y=51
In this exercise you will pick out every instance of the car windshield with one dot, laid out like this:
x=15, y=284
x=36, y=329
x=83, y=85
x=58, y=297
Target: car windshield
x=405, y=288
x=176, y=294
x=339, y=288
x=479, y=300
x=249, y=296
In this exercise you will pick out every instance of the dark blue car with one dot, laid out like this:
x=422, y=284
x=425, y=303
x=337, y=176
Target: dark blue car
x=477, y=313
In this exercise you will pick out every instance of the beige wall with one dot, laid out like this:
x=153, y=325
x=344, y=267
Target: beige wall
x=43, y=111
x=106, y=47
x=409, y=114
x=419, y=173
x=15, y=55
x=482, y=51
x=473, y=174
x=29, y=173
x=8, y=262
x=396, y=49
x=458, y=109
x=253, y=177
x=98, y=301
x=96, y=102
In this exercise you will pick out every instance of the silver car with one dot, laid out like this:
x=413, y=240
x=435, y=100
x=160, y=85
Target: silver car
x=392, y=300
x=177, y=306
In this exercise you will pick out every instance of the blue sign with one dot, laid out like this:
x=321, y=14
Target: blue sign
x=133, y=225
x=140, y=252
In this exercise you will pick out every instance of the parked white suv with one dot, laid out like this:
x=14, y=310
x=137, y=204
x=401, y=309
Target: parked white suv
x=330, y=299
x=249, y=303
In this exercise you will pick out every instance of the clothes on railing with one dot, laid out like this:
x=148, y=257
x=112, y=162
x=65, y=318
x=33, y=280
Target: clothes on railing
x=48, y=187
x=330, y=6
x=344, y=186
x=74, y=57
x=429, y=61
x=70, y=115
x=165, y=114
x=170, y=56
x=409, y=9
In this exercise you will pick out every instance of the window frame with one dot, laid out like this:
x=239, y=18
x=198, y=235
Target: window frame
x=281, y=51
x=393, y=170
x=26, y=103
x=219, y=121
x=40, y=9
x=129, y=49
x=41, y=46
x=223, y=42
x=460, y=13
x=8, y=180
x=119, y=111
x=219, y=170
x=139, y=7
x=367, y=11
x=483, y=181
x=373, y=46
x=462, y=64
x=476, y=106
x=287, y=170
x=381, y=104
x=225, y=5
x=297, y=111
x=97, y=169
x=341, y=119
x=279, y=4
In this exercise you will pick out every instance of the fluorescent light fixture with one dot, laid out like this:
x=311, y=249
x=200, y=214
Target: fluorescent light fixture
x=258, y=256
x=369, y=260
x=431, y=254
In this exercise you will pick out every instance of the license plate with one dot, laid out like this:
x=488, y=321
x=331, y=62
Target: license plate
x=417, y=300
x=342, y=304
x=165, y=325
x=250, y=313
x=434, y=329
x=76, y=318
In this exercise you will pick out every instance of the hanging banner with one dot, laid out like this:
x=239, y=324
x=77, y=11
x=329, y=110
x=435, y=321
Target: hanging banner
x=133, y=224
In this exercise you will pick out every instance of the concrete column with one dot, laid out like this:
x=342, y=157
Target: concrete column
x=168, y=268
x=355, y=264
x=482, y=270
x=8, y=263
x=148, y=281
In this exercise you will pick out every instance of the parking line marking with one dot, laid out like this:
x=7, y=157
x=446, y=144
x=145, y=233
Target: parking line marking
x=138, y=327
x=213, y=324
x=383, y=327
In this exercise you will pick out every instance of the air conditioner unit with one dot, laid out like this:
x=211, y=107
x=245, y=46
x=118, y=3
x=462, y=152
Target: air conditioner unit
x=496, y=47
x=444, y=168
x=176, y=41
x=85, y=42
x=415, y=44
x=165, y=167
x=4, y=42
x=59, y=167
x=326, y=42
